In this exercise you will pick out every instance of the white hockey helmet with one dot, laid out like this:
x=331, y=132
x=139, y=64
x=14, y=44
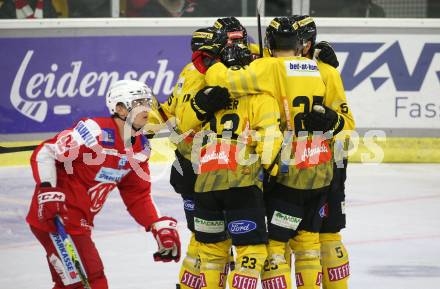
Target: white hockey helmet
x=125, y=92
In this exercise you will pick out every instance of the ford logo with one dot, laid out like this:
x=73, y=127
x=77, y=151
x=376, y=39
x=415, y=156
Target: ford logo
x=241, y=226
x=189, y=205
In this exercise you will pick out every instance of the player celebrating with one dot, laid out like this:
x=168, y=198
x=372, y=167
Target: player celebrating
x=77, y=169
x=225, y=32
x=182, y=176
x=301, y=186
x=334, y=256
x=229, y=198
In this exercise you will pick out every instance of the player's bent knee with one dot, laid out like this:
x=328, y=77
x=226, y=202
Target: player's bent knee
x=98, y=280
x=334, y=259
x=276, y=270
x=215, y=251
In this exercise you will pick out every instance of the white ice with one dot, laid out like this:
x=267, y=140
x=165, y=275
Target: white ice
x=393, y=231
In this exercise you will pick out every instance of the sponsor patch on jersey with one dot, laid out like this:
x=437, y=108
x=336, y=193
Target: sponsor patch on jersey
x=189, y=205
x=302, y=67
x=274, y=282
x=299, y=280
x=218, y=156
x=206, y=226
x=323, y=211
x=98, y=194
x=318, y=279
x=85, y=134
x=244, y=282
x=241, y=227
x=107, y=175
x=285, y=221
x=122, y=161
x=310, y=153
x=107, y=136
x=191, y=280
x=338, y=273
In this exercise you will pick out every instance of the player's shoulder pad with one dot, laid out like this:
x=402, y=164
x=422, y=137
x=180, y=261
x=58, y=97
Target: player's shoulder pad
x=189, y=67
x=87, y=130
x=322, y=66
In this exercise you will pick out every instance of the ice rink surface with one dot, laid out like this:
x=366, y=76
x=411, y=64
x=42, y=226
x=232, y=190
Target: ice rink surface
x=392, y=234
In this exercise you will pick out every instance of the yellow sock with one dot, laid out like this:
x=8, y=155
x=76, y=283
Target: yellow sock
x=276, y=271
x=214, y=264
x=189, y=271
x=249, y=263
x=308, y=270
x=334, y=259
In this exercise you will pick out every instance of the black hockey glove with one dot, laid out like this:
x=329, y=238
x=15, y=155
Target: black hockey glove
x=327, y=54
x=236, y=55
x=321, y=118
x=209, y=100
x=206, y=56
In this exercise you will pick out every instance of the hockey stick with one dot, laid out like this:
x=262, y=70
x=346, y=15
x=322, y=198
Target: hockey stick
x=260, y=39
x=16, y=149
x=7, y=150
x=71, y=252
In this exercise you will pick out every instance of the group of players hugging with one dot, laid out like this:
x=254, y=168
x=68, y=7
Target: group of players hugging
x=261, y=140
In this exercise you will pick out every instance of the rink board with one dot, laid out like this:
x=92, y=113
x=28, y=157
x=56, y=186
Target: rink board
x=55, y=72
x=378, y=150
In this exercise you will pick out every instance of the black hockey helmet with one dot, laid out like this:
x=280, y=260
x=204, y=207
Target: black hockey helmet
x=307, y=27
x=235, y=32
x=282, y=34
x=202, y=36
x=207, y=36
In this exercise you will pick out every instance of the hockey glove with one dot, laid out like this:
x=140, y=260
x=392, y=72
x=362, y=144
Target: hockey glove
x=206, y=56
x=321, y=118
x=327, y=54
x=236, y=55
x=51, y=202
x=209, y=100
x=165, y=232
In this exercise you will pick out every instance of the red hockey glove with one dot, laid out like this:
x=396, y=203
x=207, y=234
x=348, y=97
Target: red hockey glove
x=165, y=232
x=51, y=202
x=206, y=56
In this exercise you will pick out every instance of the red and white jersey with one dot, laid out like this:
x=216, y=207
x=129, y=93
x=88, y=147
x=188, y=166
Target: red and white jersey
x=89, y=161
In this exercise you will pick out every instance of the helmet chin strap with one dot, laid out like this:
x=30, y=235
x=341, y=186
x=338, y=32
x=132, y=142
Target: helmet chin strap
x=124, y=119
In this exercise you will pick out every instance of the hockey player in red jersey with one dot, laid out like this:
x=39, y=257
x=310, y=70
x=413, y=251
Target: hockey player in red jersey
x=77, y=169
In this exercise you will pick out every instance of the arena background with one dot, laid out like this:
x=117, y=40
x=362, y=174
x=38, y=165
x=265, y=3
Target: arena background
x=55, y=71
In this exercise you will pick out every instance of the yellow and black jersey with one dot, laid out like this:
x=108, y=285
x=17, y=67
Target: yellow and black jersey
x=296, y=84
x=338, y=102
x=238, y=141
x=335, y=97
x=190, y=81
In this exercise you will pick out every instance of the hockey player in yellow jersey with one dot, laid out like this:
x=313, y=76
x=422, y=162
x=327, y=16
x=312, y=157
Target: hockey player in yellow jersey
x=244, y=138
x=334, y=256
x=183, y=177
x=301, y=186
x=226, y=31
x=233, y=148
